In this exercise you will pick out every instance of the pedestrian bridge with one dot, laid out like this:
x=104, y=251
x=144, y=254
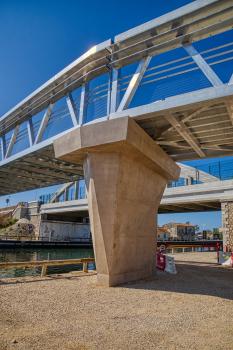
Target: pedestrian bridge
x=154, y=73
x=121, y=115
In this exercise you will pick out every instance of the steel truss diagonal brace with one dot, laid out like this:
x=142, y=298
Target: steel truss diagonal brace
x=186, y=119
x=83, y=103
x=12, y=141
x=184, y=131
x=72, y=109
x=44, y=123
x=133, y=85
x=231, y=80
x=30, y=132
x=3, y=146
x=115, y=95
x=203, y=65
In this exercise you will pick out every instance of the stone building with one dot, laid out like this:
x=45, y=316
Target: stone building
x=180, y=231
x=227, y=224
x=162, y=233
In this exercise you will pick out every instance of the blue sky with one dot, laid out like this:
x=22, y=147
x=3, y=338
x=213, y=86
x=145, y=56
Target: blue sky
x=39, y=38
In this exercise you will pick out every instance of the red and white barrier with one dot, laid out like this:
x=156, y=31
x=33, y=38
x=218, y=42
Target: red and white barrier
x=225, y=261
x=161, y=261
x=170, y=265
x=166, y=263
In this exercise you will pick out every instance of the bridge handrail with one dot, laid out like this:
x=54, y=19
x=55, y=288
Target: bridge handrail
x=127, y=48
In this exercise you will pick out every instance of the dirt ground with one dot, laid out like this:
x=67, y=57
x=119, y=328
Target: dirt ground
x=190, y=310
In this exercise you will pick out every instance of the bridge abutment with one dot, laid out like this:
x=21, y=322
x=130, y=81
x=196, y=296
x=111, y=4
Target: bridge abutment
x=125, y=175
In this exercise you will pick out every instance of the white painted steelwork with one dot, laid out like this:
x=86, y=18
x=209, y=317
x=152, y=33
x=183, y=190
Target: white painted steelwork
x=194, y=125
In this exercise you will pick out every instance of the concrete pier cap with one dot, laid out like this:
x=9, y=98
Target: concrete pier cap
x=125, y=176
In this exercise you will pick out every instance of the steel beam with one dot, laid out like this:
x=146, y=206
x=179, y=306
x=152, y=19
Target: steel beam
x=203, y=65
x=83, y=104
x=44, y=123
x=17, y=172
x=115, y=95
x=231, y=80
x=66, y=195
x=134, y=82
x=12, y=141
x=229, y=107
x=10, y=178
x=184, y=131
x=76, y=188
x=3, y=146
x=72, y=109
x=185, y=119
x=173, y=144
x=31, y=135
x=109, y=93
x=43, y=172
x=48, y=165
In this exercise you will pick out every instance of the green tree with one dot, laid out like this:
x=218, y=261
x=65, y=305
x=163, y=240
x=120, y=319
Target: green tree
x=197, y=228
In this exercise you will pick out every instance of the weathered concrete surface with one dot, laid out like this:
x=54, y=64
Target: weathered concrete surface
x=59, y=229
x=227, y=224
x=125, y=175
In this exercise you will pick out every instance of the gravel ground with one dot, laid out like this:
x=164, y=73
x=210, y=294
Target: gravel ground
x=190, y=310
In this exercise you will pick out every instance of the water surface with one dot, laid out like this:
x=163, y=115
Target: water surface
x=32, y=254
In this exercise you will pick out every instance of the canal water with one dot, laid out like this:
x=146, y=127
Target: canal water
x=30, y=254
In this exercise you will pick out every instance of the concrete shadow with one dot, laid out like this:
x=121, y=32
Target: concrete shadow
x=213, y=280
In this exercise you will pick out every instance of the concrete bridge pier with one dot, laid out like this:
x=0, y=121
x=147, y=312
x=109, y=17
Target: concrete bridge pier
x=125, y=175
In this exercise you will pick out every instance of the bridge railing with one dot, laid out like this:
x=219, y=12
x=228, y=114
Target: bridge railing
x=46, y=263
x=160, y=81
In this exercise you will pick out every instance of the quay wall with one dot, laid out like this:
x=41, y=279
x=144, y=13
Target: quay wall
x=60, y=229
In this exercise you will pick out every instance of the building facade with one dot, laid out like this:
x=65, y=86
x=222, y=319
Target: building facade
x=180, y=231
x=162, y=234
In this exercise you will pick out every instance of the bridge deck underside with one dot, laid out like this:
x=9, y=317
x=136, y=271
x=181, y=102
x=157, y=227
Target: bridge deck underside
x=189, y=207
x=204, y=129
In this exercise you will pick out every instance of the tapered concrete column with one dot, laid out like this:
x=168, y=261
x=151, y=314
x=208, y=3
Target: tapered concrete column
x=125, y=175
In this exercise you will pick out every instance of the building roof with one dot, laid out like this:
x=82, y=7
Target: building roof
x=182, y=224
x=162, y=230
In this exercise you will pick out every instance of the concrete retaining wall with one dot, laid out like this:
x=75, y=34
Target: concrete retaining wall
x=20, y=212
x=71, y=230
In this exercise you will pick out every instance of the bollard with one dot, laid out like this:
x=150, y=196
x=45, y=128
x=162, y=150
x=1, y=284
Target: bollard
x=183, y=250
x=85, y=267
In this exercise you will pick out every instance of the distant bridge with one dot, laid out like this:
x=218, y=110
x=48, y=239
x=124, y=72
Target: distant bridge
x=191, y=198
